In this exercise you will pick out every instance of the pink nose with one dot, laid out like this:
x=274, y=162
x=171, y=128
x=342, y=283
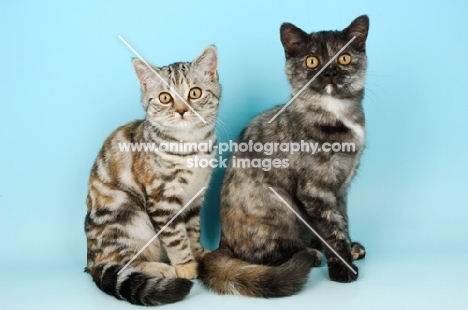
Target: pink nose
x=181, y=111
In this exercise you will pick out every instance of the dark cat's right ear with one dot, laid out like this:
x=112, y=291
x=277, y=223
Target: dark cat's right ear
x=292, y=38
x=143, y=72
x=359, y=28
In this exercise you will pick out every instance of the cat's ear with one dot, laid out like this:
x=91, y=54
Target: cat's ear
x=292, y=38
x=207, y=62
x=143, y=72
x=359, y=28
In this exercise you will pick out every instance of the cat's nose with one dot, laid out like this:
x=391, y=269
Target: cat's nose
x=182, y=111
x=330, y=73
x=181, y=108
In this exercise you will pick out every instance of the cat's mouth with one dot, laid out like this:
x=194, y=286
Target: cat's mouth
x=182, y=122
x=330, y=88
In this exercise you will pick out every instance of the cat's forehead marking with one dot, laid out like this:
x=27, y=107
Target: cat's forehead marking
x=329, y=49
x=177, y=73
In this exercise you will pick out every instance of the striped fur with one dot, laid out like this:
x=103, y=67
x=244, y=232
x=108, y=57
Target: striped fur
x=132, y=195
x=138, y=287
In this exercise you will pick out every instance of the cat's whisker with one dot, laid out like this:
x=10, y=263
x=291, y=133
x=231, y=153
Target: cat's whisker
x=372, y=97
x=225, y=128
x=379, y=73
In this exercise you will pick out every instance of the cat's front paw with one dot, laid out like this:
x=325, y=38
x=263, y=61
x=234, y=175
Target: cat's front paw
x=157, y=269
x=187, y=271
x=358, y=251
x=341, y=273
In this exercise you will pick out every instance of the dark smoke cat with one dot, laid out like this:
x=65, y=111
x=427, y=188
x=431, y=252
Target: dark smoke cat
x=265, y=250
x=132, y=195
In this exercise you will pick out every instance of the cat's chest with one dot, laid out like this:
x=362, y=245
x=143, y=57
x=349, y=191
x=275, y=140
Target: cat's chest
x=181, y=176
x=341, y=111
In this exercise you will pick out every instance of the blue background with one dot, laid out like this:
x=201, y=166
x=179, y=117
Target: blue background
x=66, y=83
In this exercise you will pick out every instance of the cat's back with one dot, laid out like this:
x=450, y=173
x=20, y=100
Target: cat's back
x=268, y=126
x=122, y=137
x=117, y=149
x=113, y=165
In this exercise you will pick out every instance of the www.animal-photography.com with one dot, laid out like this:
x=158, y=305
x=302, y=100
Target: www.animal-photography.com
x=245, y=155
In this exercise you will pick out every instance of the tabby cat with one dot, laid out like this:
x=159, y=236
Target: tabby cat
x=132, y=195
x=265, y=249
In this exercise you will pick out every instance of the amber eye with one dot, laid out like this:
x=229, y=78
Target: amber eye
x=312, y=62
x=165, y=97
x=344, y=59
x=195, y=93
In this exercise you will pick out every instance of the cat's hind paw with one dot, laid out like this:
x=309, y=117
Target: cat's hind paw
x=316, y=256
x=358, y=251
x=187, y=271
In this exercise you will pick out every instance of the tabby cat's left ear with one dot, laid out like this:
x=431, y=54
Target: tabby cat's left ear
x=208, y=61
x=143, y=72
x=359, y=28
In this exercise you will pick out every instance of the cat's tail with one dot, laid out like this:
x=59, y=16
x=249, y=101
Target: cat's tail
x=222, y=272
x=137, y=287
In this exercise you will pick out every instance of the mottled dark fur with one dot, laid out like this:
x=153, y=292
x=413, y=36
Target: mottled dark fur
x=265, y=250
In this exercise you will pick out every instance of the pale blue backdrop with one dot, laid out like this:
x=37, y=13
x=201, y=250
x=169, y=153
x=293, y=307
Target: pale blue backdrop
x=66, y=82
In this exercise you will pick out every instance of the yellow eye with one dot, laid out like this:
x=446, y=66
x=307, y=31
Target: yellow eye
x=344, y=59
x=312, y=62
x=165, y=97
x=195, y=93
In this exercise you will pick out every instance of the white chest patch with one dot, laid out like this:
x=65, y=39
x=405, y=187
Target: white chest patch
x=338, y=108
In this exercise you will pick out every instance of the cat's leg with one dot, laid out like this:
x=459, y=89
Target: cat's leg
x=315, y=243
x=321, y=205
x=118, y=235
x=264, y=233
x=192, y=223
x=357, y=250
x=174, y=237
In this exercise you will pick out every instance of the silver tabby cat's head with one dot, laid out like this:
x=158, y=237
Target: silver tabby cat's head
x=195, y=82
x=307, y=54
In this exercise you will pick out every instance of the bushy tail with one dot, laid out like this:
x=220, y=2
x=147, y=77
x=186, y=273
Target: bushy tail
x=222, y=272
x=137, y=287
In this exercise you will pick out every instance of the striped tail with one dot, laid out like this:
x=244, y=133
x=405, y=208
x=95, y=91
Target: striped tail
x=222, y=272
x=137, y=287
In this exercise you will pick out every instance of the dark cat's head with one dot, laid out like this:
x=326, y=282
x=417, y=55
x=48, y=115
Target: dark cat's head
x=173, y=95
x=307, y=54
